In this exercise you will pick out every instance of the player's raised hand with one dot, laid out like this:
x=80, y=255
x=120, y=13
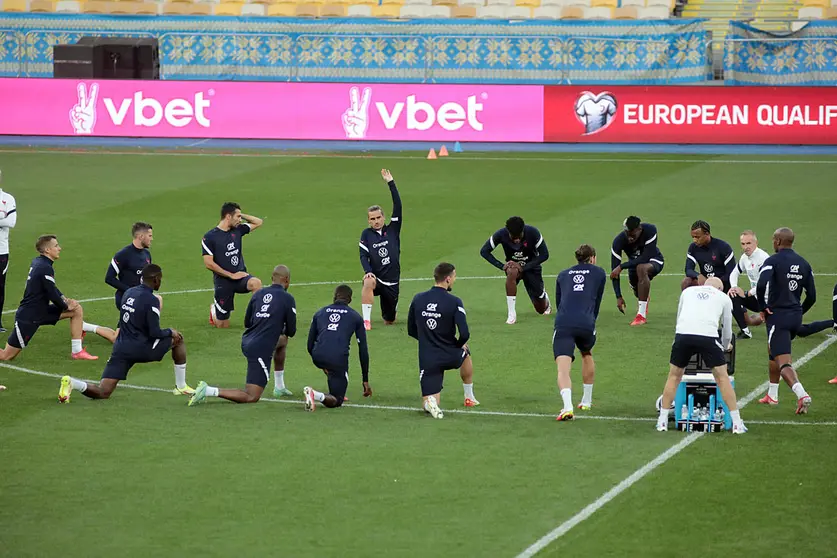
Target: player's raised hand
x=620, y=304
x=369, y=275
x=386, y=175
x=616, y=271
x=367, y=391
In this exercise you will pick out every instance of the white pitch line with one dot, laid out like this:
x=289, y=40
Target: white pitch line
x=384, y=155
x=350, y=282
x=640, y=473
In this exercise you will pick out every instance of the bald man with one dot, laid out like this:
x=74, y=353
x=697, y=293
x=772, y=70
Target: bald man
x=270, y=320
x=783, y=277
x=698, y=314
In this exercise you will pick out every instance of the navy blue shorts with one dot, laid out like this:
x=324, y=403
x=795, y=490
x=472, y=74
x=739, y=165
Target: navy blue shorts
x=432, y=374
x=258, y=369
x=24, y=331
x=565, y=340
x=781, y=330
x=338, y=379
x=686, y=346
x=656, y=268
x=125, y=355
x=388, y=295
x=533, y=281
x=225, y=291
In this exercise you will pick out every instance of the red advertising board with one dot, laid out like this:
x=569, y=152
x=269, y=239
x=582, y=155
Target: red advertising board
x=691, y=114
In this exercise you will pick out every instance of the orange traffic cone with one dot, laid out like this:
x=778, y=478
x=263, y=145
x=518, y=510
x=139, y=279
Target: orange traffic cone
x=431, y=154
x=443, y=152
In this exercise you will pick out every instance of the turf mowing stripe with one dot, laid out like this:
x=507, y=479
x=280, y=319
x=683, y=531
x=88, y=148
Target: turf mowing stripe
x=316, y=283
x=637, y=475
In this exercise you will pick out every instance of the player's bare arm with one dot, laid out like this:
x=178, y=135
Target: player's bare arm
x=253, y=221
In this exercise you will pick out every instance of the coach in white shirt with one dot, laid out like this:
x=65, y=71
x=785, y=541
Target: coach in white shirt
x=698, y=314
x=749, y=263
x=8, y=219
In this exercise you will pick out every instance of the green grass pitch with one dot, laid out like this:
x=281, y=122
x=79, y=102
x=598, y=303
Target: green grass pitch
x=144, y=475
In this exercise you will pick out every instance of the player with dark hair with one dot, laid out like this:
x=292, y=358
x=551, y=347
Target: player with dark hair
x=329, y=343
x=125, y=269
x=435, y=315
x=140, y=340
x=525, y=251
x=783, y=277
x=270, y=320
x=43, y=304
x=380, y=257
x=707, y=257
x=638, y=241
x=578, y=297
x=224, y=257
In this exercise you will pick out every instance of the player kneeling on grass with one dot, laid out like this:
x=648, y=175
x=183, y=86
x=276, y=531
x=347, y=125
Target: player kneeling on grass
x=698, y=314
x=140, y=340
x=434, y=318
x=270, y=320
x=329, y=340
x=43, y=304
x=578, y=296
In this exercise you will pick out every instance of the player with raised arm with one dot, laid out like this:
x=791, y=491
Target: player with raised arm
x=525, y=251
x=638, y=241
x=783, y=277
x=43, y=304
x=698, y=313
x=125, y=269
x=329, y=342
x=223, y=256
x=8, y=220
x=578, y=297
x=380, y=257
x=140, y=340
x=707, y=257
x=270, y=320
x=434, y=318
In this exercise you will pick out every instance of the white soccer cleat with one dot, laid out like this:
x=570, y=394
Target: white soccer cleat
x=310, y=402
x=432, y=407
x=511, y=320
x=739, y=428
x=662, y=426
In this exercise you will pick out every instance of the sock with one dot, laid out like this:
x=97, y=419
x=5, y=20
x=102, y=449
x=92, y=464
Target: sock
x=735, y=416
x=279, y=379
x=642, y=309
x=510, y=301
x=367, y=312
x=469, y=391
x=799, y=390
x=180, y=375
x=75, y=345
x=211, y=391
x=567, y=396
x=78, y=385
x=773, y=391
x=663, y=419
x=89, y=328
x=587, y=396
x=318, y=396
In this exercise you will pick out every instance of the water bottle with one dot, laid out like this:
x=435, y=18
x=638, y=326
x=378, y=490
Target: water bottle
x=684, y=412
x=717, y=415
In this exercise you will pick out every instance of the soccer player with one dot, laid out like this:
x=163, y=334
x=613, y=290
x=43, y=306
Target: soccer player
x=434, y=317
x=125, y=270
x=140, y=340
x=525, y=251
x=270, y=320
x=43, y=304
x=784, y=276
x=223, y=256
x=698, y=313
x=8, y=220
x=645, y=261
x=750, y=263
x=329, y=341
x=380, y=257
x=578, y=296
x=707, y=257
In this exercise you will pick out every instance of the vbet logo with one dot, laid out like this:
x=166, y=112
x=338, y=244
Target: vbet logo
x=595, y=112
x=412, y=112
x=137, y=110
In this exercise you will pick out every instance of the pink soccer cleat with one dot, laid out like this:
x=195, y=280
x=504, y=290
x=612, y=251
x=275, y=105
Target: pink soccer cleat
x=639, y=320
x=803, y=404
x=84, y=355
x=767, y=400
x=367, y=325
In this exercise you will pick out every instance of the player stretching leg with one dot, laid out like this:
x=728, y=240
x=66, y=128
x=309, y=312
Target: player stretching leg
x=329, y=342
x=125, y=269
x=270, y=320
x=380, y=257
x=433, y=320
x=698, y=313
x=525, y=251
x=224, y=256
x=140, y=340
x=784, y=276
x=43, y=304
x=578, y=296
x=645, y=261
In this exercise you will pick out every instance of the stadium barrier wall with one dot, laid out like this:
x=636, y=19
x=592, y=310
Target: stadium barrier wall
x=374, y=50
x=419, y=112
